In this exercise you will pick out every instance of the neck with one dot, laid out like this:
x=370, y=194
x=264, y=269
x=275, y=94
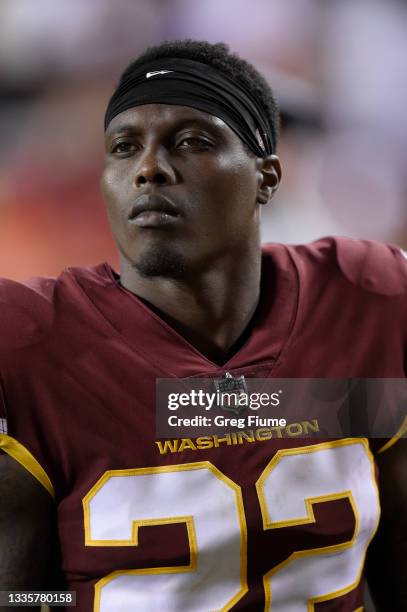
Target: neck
x=211, y=308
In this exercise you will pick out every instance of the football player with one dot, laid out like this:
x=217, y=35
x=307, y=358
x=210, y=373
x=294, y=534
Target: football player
x=274, y=523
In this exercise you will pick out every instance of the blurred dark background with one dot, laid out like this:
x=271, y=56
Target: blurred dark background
x=338, y=69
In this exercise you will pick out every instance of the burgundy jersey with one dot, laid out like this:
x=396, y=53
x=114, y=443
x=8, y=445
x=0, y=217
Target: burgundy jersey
x=211, y=523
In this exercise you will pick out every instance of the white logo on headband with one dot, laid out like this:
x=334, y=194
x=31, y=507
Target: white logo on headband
x=150, y=74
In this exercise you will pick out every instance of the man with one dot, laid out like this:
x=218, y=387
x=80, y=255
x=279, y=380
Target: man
x=282, y=524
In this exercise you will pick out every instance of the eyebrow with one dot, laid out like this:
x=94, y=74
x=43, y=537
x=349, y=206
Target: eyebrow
x=134, y=128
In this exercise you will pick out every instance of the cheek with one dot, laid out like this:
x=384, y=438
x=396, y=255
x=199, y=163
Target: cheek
x=108, y=184
x=112, y=189
x=235, y=186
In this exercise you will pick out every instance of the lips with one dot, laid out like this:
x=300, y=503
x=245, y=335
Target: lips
x=148, y=204
x=154, y=211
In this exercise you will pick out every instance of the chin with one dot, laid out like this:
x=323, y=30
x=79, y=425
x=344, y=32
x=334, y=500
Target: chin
x=162, y=261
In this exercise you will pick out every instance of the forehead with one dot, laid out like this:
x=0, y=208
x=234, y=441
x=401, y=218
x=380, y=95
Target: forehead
x=168, y=116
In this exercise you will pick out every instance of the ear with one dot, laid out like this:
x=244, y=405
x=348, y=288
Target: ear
x=270, y=170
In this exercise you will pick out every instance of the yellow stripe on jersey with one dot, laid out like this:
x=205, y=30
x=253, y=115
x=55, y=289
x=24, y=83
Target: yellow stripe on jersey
x=20, y=453
x=399, y=434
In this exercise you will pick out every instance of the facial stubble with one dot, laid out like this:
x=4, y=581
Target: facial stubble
x=161, y=261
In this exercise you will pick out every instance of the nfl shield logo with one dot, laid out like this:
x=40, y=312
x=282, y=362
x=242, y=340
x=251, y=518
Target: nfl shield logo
x=231, y=393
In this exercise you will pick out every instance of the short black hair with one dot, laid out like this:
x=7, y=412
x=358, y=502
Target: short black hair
x=219, y=57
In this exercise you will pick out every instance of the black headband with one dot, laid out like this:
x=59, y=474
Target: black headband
x=186, y=82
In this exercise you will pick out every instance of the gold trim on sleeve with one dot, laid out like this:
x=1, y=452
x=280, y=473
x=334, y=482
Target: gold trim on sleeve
x=399, y=434
x=20, y=453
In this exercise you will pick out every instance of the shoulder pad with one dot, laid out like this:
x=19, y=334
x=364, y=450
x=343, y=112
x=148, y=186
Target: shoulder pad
x=376, y=267
x=26, y=311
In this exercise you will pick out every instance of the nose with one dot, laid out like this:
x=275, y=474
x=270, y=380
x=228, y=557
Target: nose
x=155, y=169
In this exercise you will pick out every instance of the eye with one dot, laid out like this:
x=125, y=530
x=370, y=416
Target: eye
x=123, y=148
x=194, y=142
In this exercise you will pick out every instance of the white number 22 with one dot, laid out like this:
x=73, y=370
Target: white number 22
x=210, y=505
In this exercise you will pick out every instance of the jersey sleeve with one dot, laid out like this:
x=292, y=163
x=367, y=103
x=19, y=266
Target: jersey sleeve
x=401, y=258
x=25, y=316
x=382, y=269
x=388, y=412
x=26, y=311
x=374, y=267
x=360, y=288
x=3, y=414
x=400, y=433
